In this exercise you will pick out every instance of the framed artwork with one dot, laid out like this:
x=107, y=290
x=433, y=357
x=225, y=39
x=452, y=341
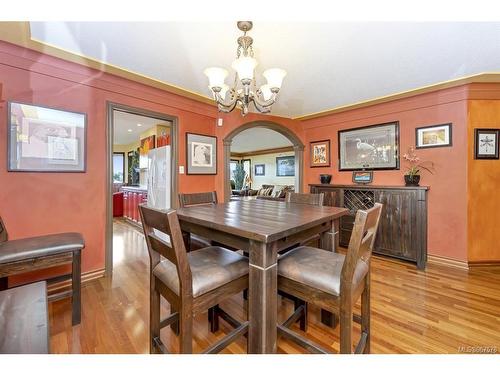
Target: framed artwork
x=146, y=144
x=433, y=136
x=285, y=166
x=486, y=143
x=44, y=139
x=201, y=154
x=369, y=148
x=260, y=169
x=362, y=177
x=320, y=153
x=163, y=138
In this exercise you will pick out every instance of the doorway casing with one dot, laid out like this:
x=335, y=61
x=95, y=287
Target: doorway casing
x=298, y=148
x=111, y=107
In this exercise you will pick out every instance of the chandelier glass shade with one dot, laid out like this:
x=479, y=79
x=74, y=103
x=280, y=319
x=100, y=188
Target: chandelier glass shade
x=244, y=90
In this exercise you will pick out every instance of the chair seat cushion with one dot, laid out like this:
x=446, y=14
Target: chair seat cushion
x=41, y=246
x=211, y=268
x=317, y=268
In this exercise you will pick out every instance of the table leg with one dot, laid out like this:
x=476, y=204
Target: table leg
x=262, y=298
x=330, y=241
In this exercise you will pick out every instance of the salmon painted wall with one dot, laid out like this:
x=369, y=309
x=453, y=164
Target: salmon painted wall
x=447, y=204
x=41, y=203
x=232, y=121
x=483, y=186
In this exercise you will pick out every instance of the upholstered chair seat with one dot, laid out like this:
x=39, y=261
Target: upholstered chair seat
x=40, y=246
x=211, y=268
x=317, y=268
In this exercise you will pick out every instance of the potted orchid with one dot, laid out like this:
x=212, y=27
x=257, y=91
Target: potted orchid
x=415, y=165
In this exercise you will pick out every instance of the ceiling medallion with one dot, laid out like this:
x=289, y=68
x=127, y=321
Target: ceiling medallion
x=244, y=90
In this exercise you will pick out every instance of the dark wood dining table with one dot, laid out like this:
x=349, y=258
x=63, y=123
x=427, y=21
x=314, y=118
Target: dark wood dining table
x=262, y=228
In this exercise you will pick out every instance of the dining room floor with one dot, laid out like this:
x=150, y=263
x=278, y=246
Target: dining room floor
x=438, y=310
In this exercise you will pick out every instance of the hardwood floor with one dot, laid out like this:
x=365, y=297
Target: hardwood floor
x=438, y=310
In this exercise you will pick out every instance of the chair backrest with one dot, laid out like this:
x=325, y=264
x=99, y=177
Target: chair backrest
x=359, y=253
x=153, y=221
x=3, y=232
x=193, y=199
x=312, y=199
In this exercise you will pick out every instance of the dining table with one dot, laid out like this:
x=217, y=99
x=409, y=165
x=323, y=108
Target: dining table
x=263, y=228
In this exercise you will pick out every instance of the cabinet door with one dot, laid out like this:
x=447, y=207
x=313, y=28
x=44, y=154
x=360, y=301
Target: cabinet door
x=126, y=204
x=397, y=228
x=331, y=195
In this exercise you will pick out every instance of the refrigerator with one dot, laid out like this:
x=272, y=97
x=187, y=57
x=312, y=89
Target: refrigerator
x=159, y=177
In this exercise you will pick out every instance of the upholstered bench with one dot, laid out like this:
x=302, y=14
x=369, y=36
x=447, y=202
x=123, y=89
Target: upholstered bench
x=34, y=253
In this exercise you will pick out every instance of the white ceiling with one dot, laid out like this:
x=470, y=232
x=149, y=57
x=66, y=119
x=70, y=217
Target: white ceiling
x=329, y=64
x=123, y=122
x=258, y=139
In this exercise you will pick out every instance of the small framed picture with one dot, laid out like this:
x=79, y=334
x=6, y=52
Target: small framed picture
x=285, y=166
x=201, y=154
x=486, y=143
x=362, y=177
x=260, y=169
x=320, y=153
x=433, y=136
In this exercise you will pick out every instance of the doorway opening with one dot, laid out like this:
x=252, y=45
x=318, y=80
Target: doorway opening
x=262, y=158
x=142, y=165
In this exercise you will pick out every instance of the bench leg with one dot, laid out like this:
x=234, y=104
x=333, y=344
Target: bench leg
x=76, y=284
x=4, y=283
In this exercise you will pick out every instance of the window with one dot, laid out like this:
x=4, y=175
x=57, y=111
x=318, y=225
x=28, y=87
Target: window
x=118, y=167
x=232, y=167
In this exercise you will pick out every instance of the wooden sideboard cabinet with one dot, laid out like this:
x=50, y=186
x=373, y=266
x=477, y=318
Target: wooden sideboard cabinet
x=403, y=225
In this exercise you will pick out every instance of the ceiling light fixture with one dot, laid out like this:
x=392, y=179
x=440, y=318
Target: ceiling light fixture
x=244, y=65
x=130, y=130
x=139, y=124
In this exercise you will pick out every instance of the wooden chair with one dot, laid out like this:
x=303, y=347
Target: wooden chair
x=190, y=282
x=35, y=253
x=312, y=199
x=194, y=241
x=334, y=282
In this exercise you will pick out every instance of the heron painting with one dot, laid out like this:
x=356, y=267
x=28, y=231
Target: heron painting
x=370, y=147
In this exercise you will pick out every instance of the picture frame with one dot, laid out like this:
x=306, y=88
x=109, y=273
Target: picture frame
x=260, y=170
x=362, y=177
x=374, y=147
x=145, y=145
x=319, y=153
x=45, y=139
x=201, y=154
x=285, y=166
x=486, y=143
x=434, y=136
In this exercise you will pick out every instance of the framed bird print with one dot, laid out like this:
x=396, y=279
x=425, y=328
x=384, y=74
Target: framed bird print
x=486, y=143
x=373, y=147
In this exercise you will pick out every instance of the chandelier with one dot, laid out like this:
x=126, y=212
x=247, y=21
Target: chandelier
x=244, y=90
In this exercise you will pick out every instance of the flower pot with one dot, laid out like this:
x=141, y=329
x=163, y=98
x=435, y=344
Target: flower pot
x=325, y=178
x=412, y=180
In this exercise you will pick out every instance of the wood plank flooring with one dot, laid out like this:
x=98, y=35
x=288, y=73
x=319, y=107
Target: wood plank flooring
x=437, y=310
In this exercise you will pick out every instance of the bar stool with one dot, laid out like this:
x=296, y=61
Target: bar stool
x=334, y=282
x=191, y=282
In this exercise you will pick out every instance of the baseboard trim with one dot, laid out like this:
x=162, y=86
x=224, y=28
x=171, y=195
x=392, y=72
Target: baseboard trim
x=66, y=284
x=447, y=262
x=484, y=263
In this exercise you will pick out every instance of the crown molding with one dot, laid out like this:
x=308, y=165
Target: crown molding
x=19, y=33
x=492, y=77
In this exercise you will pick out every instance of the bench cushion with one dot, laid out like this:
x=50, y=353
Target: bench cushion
x=41, y=246
x=211, y=268
x=317, y=268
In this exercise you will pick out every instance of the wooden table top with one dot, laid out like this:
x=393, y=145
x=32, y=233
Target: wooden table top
x=24, y=320
x=260, y=220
